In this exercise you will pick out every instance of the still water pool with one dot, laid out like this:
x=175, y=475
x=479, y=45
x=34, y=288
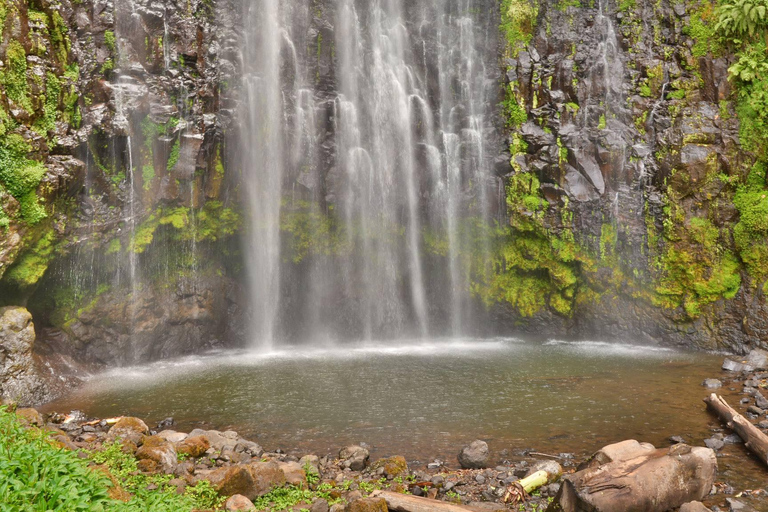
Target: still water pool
x=425, y=399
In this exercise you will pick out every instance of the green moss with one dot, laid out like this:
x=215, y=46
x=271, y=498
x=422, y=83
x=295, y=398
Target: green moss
x=58, y=30
x=312, y=232
x=21, y=176
x=14, y=77
x=513, y=110
x=33, y=263
x=601, y=124
x=110, y=41
x=173, y=158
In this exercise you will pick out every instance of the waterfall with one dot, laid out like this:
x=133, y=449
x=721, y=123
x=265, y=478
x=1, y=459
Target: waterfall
x=378, y=115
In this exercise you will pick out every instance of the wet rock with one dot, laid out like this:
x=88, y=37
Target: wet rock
x=712, y=383
x=758, y=359
x=193, y=446
x=763, y=424
x=732, y=439
x=249, y=447
x=367, y=505
x=755, y=410
x=676, y=439
x=694, y=506
x=354, y=457
x=392, y=466
x=128, y=429
x=238, y=502
x=733, y=366
x=714, y=443
x=217, y=440
x=475, y=455
x=760, y=400
x=173, y=436
x=735, y=505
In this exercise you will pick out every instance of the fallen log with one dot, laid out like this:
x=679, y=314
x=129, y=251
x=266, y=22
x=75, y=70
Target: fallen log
x=407, y=503
x=754, y=439
x=634, y=477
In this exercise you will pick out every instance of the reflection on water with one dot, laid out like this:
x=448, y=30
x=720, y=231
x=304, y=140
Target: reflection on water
x=422, y=399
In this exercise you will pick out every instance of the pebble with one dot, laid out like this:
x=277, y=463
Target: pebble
x=732, y=439
x=712, y=383
x=714, y=444
x=763, y=424
x=480, y=479
x=755, y=410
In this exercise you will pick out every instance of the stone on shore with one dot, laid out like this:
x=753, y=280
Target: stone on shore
x=250, y=480
x=391, y=467
x=638, y=479
x=367, y=505
x=294, y=473
x=694, y=506
x=128, y=429
x=354, y=457
x=29, y=416
x=159, y=450
x=758, y=359
x=193, y=446
x=733, y=366
x=237, y=503
x=19, y=379
x=712, y=383
x=475, y=455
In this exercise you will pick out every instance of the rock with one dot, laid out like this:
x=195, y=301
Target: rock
x=173, y=436
x=311, y=462
x=128, y=429
x=250, y=480
x=623, y=450
x=639, y=480
x=392, y=466
x=475, y=455
x=694, y=506
x=676, y=439
x=733, y=366
x=763, y=424
x=193, y=446
x=760, y=400
x=712, y=383
x=294, y=473
x=553, y=469
x=29, y=416
x=159, y=450
x=319, y=505
x=714, y=444
x=354, y=457
x=735, y=505
x=755, y=410
x=217, y=440
x=484, y=506
x=249, y=447
x=238, y=502
x=367, y=505
x=758, y=359
x=19, y=379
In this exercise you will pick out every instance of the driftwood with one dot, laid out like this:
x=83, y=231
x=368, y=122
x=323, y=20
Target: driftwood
x=407, y=503
x=634, y=477
x=754, y=439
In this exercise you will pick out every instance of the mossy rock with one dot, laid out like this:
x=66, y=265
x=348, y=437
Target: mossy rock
x=367, y=505
x=393, y=466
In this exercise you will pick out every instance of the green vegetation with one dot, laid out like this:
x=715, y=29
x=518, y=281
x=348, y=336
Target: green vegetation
x=518, y=21
x=37, y=474
x=21, y=176
x=28, y=269
x=14, y=77
x=312, y=232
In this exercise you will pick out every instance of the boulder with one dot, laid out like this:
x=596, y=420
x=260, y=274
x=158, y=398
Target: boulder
x=29, y=416
x=217, y=440
x=294, y=473
x=159, y=450
x=475, y=455
x=19, y=378
x=173, y=436
x=712, y=383
x=638, y=479
x=238, y=502
x=319, y=505
x=733, y=366
x=128, y=429
x=250, y=480
x=758, y=359
x=391, y=466
x=193, y=446
x=354, y=457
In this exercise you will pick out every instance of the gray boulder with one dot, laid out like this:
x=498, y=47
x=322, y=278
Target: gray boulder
x=19, y=379
x=354, y=457
x=475, y=455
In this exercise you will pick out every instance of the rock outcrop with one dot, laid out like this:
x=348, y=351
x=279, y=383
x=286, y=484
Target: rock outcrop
x=19, y=377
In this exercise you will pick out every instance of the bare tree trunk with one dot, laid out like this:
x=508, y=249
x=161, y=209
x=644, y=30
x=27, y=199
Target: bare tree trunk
x=754, y=439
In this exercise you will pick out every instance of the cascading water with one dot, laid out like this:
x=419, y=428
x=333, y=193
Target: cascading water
x=379, y=113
